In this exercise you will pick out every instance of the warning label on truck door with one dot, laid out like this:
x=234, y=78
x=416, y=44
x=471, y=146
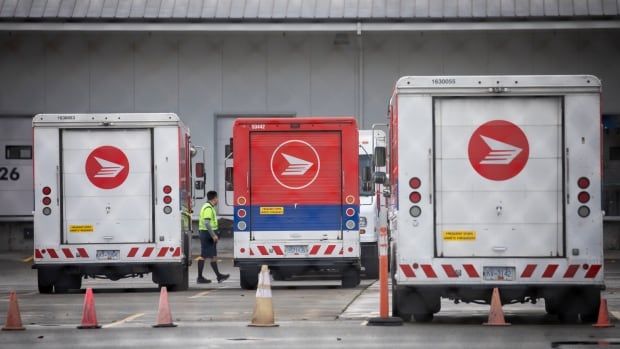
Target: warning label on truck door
x=456, y=235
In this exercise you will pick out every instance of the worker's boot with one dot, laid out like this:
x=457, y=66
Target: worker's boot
x=201, y=279
x=220, y=277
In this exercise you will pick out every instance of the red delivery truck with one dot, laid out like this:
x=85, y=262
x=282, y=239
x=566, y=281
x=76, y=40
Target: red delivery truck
x=296, y=197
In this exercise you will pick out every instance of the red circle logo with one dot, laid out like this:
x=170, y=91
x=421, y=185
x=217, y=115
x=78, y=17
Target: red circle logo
x=498, y=150
x=295, y=164
x=107, y=167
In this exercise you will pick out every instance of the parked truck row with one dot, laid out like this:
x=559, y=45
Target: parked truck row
x=487, y=182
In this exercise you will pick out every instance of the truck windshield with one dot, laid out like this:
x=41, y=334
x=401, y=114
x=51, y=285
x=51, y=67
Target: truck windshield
x=365, y=176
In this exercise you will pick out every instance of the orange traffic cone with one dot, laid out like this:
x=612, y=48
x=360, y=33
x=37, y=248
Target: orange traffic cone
x=263, y=310
x=603, y=315
x=164, y=316
x=13, y=319
x=496, y=315
x=89, y=315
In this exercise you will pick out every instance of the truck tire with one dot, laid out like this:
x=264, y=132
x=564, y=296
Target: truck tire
x=423, y=317
x=45, y=281
x=350, y=278
x=371, y=264
x=66, y=282
x=248, y=278
x=396, y=311
x=183, y=285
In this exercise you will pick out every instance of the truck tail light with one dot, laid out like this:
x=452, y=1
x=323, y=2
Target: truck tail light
x=47, y=190
x=167, y=199
x=167, y=189
x=167, y=209
x=415, y=183
x=415, y=211
x=415, y=197
x=241, y=213
x=583, y=183
x=583, y=211
x=583, y=197
x=46, y=200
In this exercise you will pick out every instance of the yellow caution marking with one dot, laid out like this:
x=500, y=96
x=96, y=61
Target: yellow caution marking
x=28, y=259
x=127, y=319
x=272, y=210
x=81, y=228
x=459, y=235
x=201, y=294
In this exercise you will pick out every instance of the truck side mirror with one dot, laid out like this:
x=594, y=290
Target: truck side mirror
x=200, y=170
x=379, y=156
x=228, y=178
x=366, y=174
x=380, y=177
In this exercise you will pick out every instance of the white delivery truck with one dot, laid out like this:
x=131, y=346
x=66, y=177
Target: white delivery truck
x=496, y=182
x=113, y=198
x=373, y=212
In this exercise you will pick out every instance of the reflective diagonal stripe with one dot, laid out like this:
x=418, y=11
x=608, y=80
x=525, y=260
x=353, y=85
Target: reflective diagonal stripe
x=52, y=253
x=428, y=270
x=67, y=252
x=571, y=271
x=550, y=270
x=528, y=271
x=407, y=270
x=277, y=250
x=148, y=251
x=450, y=272
x=82, y=252
x=471, y=271
x=594, y=269
x=132, y=252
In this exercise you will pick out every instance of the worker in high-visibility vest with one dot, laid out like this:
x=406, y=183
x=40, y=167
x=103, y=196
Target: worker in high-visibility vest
x=209, y=236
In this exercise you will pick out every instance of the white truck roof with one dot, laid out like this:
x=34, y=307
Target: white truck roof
x=505, y=83
x=106, y=119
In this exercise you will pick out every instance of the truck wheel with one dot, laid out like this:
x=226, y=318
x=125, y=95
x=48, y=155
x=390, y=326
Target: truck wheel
x=183, y=285
x=68, y=282
x=248, y=278
x=350, y=278
x=396, y=312
x=371, y=264
x=423, y=317
x=45, y=281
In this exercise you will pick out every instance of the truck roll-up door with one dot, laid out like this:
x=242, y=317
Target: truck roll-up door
x=499, y=177
x=107, y=184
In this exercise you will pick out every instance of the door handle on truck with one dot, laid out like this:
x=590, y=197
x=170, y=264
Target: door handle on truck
x=430, y=175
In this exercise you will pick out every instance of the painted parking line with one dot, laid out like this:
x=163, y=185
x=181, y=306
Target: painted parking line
x=28, y=259
x=18, y=295
x=127, y=319
x=201, y=294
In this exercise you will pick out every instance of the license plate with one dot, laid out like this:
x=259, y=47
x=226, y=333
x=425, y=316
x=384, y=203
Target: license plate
x=108, y=255
x=499, y=273
x=296, y=250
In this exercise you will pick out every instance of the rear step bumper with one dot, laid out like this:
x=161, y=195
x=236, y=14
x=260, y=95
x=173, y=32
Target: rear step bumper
x=300, y=262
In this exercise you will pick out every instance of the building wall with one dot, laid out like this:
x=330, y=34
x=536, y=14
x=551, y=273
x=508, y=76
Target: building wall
x=200, y=76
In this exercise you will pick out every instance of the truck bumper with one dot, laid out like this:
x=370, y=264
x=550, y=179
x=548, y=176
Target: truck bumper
x=336, y=263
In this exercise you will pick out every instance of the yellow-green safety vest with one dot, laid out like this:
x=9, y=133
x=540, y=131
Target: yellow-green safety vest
x=207, y=212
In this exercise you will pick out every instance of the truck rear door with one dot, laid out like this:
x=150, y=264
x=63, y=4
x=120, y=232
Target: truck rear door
x=499, y=177
x=107, y=185
x=295, y=185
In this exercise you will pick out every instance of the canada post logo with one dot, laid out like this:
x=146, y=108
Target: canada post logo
x=107, y=167
x=295, y=164
x=498, y=150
